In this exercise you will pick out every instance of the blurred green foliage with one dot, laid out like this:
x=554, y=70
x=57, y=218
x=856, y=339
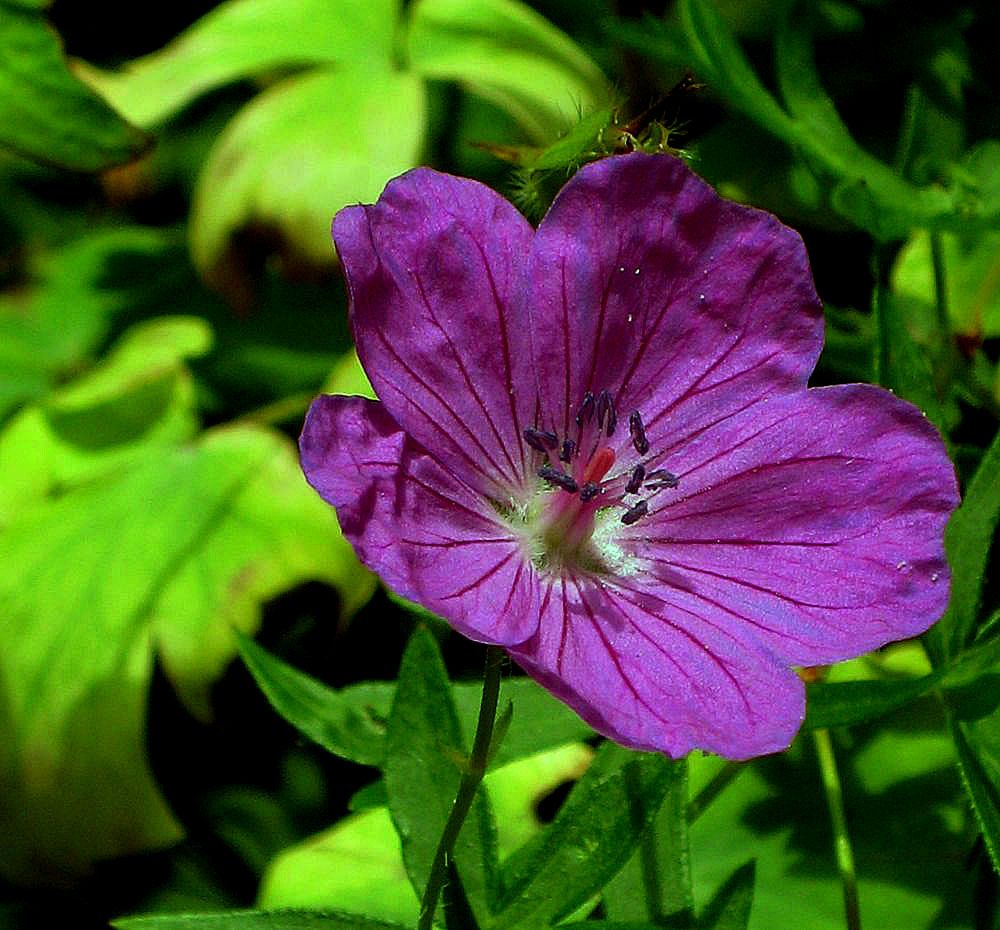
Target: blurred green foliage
x=169, y=303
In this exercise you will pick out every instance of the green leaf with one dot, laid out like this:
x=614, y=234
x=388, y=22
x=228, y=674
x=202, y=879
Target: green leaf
x=169, y=552
x=909, y=828
x=972, y=284
x=968, y=539
x=137, y=400
x=243, y=38
x=847, y=703
x=350, y=722
x=357, y=863
x=505, y=52
x=278, y=534
x=425, y=758
x=866, y=190
x=343, y=724
x=719, y=59
x=978, y=751
x=348, y=377
x=72, y=298
x=288, y=919
x=900, y=363
x=655, y=884
x=299, y=152
x=540, y=721
x=590, y=840
x=46, y=114
x=730, y=908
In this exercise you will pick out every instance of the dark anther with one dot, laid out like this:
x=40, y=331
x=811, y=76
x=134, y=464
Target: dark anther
x=661, y=478
x=589, y=491
x=635, y=512
x=568, y=448
x=635, y=481
x=540, y=439
x=603, y=405
x=586, y=411
x=559, y=478
x=638, y=432
x=606, y=413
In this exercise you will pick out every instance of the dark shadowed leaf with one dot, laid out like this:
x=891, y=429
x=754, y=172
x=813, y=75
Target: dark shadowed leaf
x=730, y=908
x=846, y=703
x=46, y=114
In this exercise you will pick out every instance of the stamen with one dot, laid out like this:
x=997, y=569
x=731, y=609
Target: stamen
x=636, y=512
x=540, y=439
x=568, y=450
x=589, y=491
x=606, y=413
x=559, y=478
x=661, y=478
x=635, y=482
x=586, y=410
x=638, y=432
x=603, y=405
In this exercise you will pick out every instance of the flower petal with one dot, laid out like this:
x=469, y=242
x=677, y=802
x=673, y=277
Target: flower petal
x=683, y=305
x=423, y=532
x=816, y=521
x=657, y=671
x=431, y=269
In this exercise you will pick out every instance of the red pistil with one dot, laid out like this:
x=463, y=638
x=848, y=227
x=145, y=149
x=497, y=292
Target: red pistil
x=599, y=465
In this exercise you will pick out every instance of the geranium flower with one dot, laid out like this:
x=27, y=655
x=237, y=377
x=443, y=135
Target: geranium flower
x=594, y=446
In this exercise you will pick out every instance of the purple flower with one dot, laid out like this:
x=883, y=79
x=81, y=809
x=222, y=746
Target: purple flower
x=594, y=446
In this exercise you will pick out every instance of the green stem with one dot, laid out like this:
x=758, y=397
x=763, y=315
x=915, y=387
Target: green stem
x=280, y=411
x=473, y=775
x=841, y=839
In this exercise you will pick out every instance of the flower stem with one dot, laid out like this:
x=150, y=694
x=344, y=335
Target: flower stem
x=472, y=776
x=841, y=839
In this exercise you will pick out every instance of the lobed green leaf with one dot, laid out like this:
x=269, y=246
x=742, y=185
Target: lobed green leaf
x=505, y=52
x=300, y=151
x=193, y=539
x=243, y=38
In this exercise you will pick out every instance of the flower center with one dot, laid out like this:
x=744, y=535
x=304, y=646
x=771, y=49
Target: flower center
x=585, y=500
